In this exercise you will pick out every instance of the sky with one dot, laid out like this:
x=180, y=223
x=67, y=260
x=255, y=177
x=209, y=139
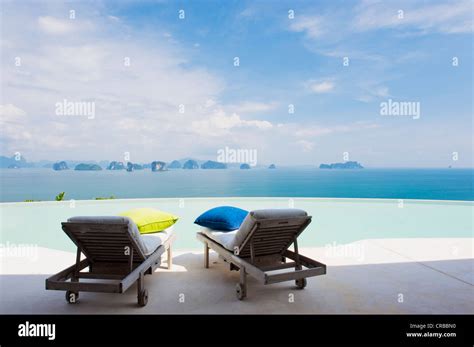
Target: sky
x=299, y=82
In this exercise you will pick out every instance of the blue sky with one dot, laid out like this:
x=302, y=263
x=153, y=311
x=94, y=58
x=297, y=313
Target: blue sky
x=398, y=50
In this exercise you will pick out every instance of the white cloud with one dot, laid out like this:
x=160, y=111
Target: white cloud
x=261, y=124
x=319, y=87
x=253, y=107
x=449, y=18
x=307, y=146
x=114, y=18
x=248, y=12
x=220, y=124
x=137, y=102
x=313, y=131
x=11, y=113
x=312, y=26
x=381, y=91
x=56, y=26
x=308, y=131
x=13, y=123
x=372, y=90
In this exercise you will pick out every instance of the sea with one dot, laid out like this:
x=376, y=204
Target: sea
x=428, y=184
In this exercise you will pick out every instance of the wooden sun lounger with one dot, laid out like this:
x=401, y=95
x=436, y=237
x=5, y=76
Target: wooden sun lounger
x=261, y=246
x=116, y=258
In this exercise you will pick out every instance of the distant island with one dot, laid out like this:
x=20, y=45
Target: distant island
x=14, y=162
x=191, y=165
x=210, y=164
x=116, y=165
x=62, y=165
x=87, y=167
x=174, y=165
x=346, y=165
x=158, y=166
x=19, y=162
x=132, y=167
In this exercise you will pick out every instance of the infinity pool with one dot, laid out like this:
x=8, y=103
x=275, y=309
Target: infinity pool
x=334, y=220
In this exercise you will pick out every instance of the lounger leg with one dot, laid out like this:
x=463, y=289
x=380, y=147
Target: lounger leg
x=300, y=283
x=142, y=293
x=170, y=258
x=71, y=296
x=206, y=256
x=140, y=284
x=75, y=276
x=241, y=288
x=243, y=278
x=297, y=256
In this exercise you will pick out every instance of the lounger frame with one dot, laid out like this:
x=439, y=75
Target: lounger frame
x=112, y=270
x=264, y=250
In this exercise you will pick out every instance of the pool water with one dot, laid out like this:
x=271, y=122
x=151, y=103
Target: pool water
x=337, y=221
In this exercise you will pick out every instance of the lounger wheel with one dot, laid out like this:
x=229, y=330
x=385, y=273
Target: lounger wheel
x=240, y=291
x=143, y=298
x=72, y=297
x=301, y=283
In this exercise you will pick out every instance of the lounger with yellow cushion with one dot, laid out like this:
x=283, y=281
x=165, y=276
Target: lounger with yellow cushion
x=116, y=256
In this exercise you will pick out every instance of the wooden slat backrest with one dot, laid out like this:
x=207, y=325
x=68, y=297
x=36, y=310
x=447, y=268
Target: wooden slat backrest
x=102, y=242
x=273, y=236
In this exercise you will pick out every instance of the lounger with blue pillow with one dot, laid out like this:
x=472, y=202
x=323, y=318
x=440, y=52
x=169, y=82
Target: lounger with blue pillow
x=116, y=256
x=260, y=248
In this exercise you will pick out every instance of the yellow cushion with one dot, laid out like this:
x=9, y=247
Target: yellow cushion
x=150, y=220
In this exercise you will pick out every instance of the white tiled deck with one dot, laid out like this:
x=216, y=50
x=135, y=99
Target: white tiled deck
x=371, y=276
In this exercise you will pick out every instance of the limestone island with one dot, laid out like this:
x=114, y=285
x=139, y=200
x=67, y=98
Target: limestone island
x=346, y=165
x=132, y=167
x=158, y=166
x=87, y=167
x=116, y=165
x=174, y=165
x=213, y=165
x=190, y=165
x=62, y=165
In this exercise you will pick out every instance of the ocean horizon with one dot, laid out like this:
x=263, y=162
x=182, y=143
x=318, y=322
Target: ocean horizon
x=380, y=183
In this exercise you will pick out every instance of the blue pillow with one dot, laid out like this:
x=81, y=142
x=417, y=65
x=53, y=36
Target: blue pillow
x=224, y=218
